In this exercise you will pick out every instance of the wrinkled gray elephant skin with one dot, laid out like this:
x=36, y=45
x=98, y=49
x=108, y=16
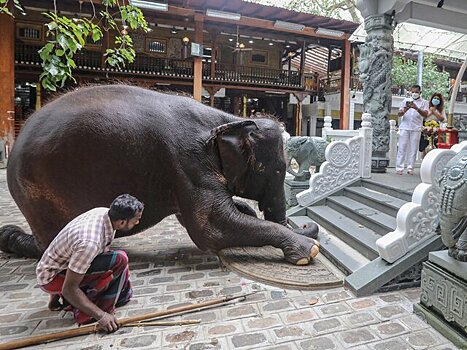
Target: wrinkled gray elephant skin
x=453, y=206
x=176, y=155
x=306, y=151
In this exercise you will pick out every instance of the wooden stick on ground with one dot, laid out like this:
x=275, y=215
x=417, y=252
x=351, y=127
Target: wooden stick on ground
x=162, y=323
x=45, y=338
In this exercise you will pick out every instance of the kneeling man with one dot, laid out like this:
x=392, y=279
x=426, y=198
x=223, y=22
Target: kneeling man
x=79, y=266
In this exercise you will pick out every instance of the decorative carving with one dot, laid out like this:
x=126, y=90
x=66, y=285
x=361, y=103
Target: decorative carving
x=345, y=162
x=419, y=219
x=445, y=294
x=375, y=66
x=453, y=205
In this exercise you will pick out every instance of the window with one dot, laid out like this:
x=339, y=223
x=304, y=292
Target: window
x=156, y=45
x=28, y=31
x=259, y=57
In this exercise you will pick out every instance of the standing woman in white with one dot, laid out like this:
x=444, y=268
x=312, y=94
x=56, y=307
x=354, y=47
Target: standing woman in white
x=412, y=110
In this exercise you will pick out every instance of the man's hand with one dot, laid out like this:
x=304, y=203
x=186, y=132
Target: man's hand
x=108, y=322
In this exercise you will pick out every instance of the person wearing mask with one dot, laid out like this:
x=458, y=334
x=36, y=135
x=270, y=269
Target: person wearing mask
x=79, y=266
x=435, y=112
x=412, y=110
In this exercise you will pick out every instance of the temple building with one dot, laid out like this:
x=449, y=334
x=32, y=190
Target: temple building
x=241, y=57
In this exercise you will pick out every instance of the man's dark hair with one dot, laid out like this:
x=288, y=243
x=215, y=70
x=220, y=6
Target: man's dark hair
x=124, y=207
x=417, y=87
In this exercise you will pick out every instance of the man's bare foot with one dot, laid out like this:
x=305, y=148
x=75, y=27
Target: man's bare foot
x=54, y=303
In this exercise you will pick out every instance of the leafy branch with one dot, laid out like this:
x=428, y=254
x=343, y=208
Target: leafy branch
x=4, y=7
x=66, y=37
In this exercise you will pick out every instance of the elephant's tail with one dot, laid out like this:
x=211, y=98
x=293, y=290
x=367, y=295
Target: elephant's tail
x=14, y=240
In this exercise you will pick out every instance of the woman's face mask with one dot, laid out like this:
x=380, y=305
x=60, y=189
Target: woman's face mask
x=415, y=95
x=435, y=101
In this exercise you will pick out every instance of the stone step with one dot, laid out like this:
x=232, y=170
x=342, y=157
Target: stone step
x=373, y=219
x=378, y=272
x=298, y=221
x=380, y=187
x=347, y=259
x=380, y=201
x=350, y=232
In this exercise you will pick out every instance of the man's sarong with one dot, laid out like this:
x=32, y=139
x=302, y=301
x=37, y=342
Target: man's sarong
x=105, y=283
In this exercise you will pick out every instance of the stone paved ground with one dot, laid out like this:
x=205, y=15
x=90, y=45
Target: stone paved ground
x=168, y=270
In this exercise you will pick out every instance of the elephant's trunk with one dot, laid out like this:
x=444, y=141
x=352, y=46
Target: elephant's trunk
x=274, y=208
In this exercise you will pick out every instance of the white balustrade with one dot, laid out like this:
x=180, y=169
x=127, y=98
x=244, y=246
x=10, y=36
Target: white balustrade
x=417, y=221
x=347, y=159
x=393, y=139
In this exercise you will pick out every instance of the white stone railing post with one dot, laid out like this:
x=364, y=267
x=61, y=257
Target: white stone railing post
x=347, y=160
x=393, y=138
x=327, y=126
x=417, y=220
x=366, y=132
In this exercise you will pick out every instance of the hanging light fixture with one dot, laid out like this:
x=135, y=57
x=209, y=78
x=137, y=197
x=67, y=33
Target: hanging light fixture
x=174, y=30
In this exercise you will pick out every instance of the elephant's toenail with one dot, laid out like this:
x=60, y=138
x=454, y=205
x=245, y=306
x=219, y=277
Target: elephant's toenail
x=314, y=251
x=303, y=261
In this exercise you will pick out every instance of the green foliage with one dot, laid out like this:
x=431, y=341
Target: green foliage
x=327, y=8
x=4, y=7
x=68, y=36
x=404, y=75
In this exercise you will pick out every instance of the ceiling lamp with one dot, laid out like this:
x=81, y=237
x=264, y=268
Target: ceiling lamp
x=150, y=5
x=223, y=14
x=174, y=30
x=330, y=32
x=289, y=25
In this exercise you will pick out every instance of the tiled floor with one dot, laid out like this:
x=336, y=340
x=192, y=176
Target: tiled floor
x=168, y=270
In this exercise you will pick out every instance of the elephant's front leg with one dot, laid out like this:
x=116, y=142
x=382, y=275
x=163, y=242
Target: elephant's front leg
x=225, y=227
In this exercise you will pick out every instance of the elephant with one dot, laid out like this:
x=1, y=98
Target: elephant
x=453, y=206
x=306, y=151
x=173, y=153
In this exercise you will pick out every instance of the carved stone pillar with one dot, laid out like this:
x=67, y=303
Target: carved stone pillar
x=375, y=66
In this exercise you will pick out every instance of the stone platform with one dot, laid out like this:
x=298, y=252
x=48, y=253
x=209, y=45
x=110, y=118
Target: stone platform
x=267, y=264
x=168, y=270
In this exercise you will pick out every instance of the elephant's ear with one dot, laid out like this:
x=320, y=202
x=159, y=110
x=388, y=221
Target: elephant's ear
x=235, y=148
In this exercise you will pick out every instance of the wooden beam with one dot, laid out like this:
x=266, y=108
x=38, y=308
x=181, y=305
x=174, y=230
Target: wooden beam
x=198, y=61
x=302, y=63
x=299, y=112
x=212, y=91
x=345, y=87
x=7, y=80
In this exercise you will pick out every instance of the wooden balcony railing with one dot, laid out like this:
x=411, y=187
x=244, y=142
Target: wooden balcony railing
x=145, y=65
x=252, y=75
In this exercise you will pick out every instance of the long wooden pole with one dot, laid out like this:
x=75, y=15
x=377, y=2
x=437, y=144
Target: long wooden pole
x=45, y=338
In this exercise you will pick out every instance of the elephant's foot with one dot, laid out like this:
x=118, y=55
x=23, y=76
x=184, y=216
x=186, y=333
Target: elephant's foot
x=309, y=230
x=301, y=251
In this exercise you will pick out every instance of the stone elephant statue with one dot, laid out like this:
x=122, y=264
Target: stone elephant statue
x=453, y=206
x=306, y=151
x=176, y=155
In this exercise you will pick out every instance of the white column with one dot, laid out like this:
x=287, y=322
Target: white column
x=392, y=154
x=351, y=114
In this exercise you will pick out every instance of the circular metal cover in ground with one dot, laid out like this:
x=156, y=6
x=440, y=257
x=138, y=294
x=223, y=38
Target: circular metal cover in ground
x=267, y=265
